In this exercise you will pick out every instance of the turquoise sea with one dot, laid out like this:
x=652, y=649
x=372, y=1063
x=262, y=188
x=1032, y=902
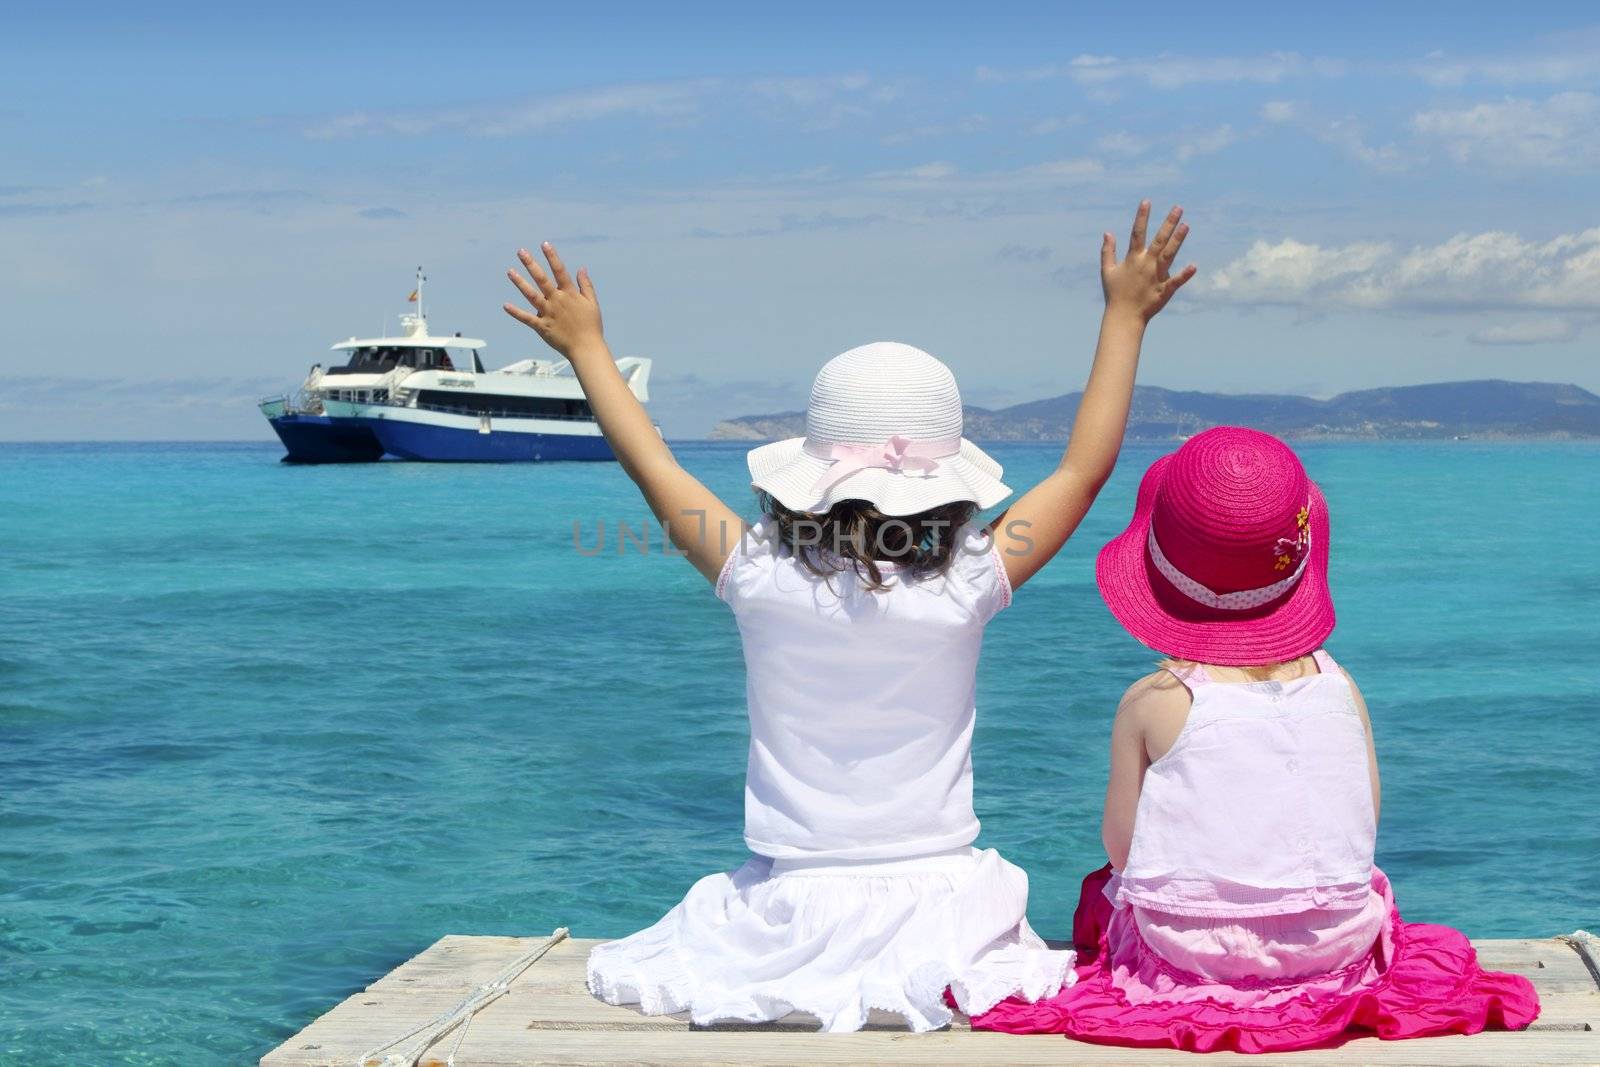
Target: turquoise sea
x=267, y=731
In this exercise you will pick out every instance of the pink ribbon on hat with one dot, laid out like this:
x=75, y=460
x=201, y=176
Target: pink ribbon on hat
x=896, y=454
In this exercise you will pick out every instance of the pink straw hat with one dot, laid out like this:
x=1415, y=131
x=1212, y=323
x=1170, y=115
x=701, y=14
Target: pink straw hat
x=1226, y=560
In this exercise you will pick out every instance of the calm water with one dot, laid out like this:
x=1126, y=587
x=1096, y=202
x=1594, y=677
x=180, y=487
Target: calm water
x=267, y=731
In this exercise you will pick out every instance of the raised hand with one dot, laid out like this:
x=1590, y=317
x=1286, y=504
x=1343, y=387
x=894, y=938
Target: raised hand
x=1143, y=282
x=1034, y=528
x=566, y=313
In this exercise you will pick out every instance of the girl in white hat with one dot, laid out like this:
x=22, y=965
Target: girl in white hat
x=861, y=598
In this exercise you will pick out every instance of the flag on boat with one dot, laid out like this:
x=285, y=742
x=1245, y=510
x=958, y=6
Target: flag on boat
x=412, y=299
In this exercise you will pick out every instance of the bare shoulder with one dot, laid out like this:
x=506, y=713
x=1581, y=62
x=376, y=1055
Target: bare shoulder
x=1154, y=689
x=1154, y=700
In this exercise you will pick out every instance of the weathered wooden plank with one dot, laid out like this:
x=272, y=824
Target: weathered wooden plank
x=738, y=1050
x=548, y=1017
x=499, y=1038
x=1550, y=963
x=466, y=960
x=458, y=960
x=1587, y=946
x=360, y=1023
x=462, y=961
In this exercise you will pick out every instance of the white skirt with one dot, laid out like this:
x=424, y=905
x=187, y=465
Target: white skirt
x=835, y=939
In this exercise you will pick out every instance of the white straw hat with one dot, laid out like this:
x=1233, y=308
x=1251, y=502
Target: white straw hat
x=884, y=426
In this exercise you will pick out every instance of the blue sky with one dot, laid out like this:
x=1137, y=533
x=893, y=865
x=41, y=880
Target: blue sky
x=195, y=203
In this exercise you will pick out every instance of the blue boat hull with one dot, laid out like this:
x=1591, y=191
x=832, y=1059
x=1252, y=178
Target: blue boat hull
x=447, y=444
x=319, y=439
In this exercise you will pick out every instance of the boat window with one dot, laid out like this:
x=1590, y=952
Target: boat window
x=504, y=406
x=369, y=359
x=434, y=359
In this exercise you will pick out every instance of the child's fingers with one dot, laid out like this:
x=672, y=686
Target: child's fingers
x=1168, y=225
x=1141, y=219
x=1108, y=251
x=527, y=318
x=526, y=288
x=557, y=268
x=586, y=284
x=1175, y=282
x=532, y=266
x=1169, y=251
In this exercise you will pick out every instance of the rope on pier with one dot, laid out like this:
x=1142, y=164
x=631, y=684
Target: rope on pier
x=1587, y=946
x=458, y=1018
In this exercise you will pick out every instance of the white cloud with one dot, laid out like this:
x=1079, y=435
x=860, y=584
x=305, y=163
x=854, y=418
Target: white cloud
x=1280, y=111
x=820, y=102
x=1349, y=137
x=1023, y=253
x=1289, y=272
x=1346, y=134
x=1030, y=74
x=808, y=91
x=1516, y=132
x=1572, y=59
x=926, y=172
x=1188, y=144
x=959, y=127
x=675, y=100
x=1486, y=271
x=1121, y=143
x=1526, y=332
x=50, y=210
x=1055, y=124
x=1055, y=172
x=1172, y=72
x=1205, y=142
x=947, y=178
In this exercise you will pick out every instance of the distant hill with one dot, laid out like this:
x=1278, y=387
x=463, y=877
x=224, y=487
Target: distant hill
x=1488, y=409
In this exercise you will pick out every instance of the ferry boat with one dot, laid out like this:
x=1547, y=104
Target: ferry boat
x=532, y=410
x=312, y=422
x=411, y=398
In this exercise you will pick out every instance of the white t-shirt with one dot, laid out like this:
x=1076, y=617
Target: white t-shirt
x=861, y=703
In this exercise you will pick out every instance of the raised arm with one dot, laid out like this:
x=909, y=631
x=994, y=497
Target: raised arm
x=1032, y=530
x=566, y=313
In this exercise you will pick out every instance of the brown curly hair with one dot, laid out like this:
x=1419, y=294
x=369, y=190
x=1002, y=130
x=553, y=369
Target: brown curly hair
x=855, y=536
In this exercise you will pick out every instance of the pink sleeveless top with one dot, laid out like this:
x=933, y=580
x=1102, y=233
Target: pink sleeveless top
x=1252, y=846
x=1263, y=805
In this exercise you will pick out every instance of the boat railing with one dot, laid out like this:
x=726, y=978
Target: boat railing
x=299, y=402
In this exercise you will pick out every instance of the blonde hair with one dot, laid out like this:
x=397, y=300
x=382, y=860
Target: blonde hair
x=1259, y=673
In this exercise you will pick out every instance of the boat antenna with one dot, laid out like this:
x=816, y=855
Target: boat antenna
x=421, y=278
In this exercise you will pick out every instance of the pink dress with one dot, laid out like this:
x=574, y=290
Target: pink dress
x=1249, y=915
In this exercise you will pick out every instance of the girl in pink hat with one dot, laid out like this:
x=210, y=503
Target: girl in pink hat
x=1241, y=909
x=861, y=597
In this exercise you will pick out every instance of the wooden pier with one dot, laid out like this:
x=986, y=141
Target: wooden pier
x=515, y=1002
